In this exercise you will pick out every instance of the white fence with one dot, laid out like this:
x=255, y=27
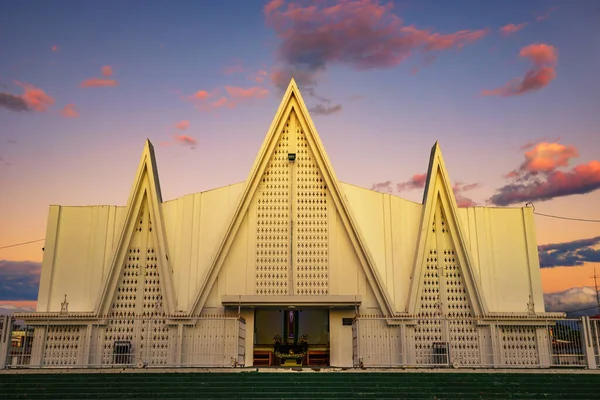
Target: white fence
x=141, y=342
x=484, y=343
x=593, y=338
x=220, y=341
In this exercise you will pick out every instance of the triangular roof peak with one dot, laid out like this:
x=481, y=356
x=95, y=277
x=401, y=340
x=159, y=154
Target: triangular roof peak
x=146, y=187
x=439, y=193
x=293, y=104
x=436, y=165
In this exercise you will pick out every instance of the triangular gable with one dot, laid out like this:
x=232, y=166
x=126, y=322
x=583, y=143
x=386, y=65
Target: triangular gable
x=146, y=189
x=439, y=201
x=292, y=102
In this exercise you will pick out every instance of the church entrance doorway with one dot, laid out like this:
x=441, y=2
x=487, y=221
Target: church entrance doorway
x=291, y=337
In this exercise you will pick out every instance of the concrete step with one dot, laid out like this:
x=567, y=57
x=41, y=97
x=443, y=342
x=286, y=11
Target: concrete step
x=326, y=385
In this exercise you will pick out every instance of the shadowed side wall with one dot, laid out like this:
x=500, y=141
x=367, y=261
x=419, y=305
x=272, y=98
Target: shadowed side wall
x=195, y=225
x=80, y=244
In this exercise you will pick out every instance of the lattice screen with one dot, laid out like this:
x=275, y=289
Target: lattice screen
x=464, y=333
x=121, y=326
x=62, y=345
x=154, y=338
x=519, y=345
x=292, y=194
x=444, y=293
x=311, y=227
x=273, y=222
x=136, y=313
x=429, y=329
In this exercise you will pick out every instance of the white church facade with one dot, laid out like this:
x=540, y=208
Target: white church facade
x=290, y=267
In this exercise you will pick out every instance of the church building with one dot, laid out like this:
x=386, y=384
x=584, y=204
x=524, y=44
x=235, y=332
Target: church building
x=290, y=267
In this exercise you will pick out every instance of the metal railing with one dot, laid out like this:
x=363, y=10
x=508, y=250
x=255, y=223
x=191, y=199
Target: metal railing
x=485, y=343
x=220, y=341
x=138, y=341
x=594, y=339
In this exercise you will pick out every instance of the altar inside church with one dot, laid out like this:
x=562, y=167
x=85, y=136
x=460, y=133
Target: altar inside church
x=291, y=337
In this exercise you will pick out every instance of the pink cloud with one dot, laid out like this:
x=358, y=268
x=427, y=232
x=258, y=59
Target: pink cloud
x=260, y=76
x=546, y=14
x=222, y=102
x=182, y=125
x=416, y=182
x=246, y=93
x=462, y=201
x=362, y=34
x=107, y=70
x=25, y=305
x=383, y=187
x=101, y=82
x=55, y=48
x=546, y=157
x=233, y=96
x=540, y=54
x=509, y=29
x=459, y=189
x=534, y=143
x=98, y=82
x=280, y=77
x=201, y=95
x=186, y=140
x=544, y=58
x=511, y=174
x=272, y=6
x=35, y=98
x=69, y=111
x=539, y=177
x=582, y=179
x=324, y=109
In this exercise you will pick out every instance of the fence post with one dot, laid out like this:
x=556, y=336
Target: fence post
x=355, y=343
x=590, y=353
x=5, y=339
x=241, y=345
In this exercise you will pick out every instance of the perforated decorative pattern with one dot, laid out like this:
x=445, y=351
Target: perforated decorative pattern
x=444, y=293
x=519, y=345
x=121, y=326
x=429, y=328
x=273, y=222
x=62, y=345
x=311, y=223
x=154, y=337
x=136, y=314
x=464, y=333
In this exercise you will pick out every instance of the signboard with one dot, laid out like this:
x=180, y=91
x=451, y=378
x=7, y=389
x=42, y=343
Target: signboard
x=347, y=321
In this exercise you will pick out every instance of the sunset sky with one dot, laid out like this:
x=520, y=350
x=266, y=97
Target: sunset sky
x=510, y=90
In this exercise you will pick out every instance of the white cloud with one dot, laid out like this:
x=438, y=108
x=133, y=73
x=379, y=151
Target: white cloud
x=573, y=300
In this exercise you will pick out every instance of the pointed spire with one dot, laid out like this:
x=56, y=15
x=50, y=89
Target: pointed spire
x=438, y=192
x=146, y=187
x=292, y=102
x=437, y=166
